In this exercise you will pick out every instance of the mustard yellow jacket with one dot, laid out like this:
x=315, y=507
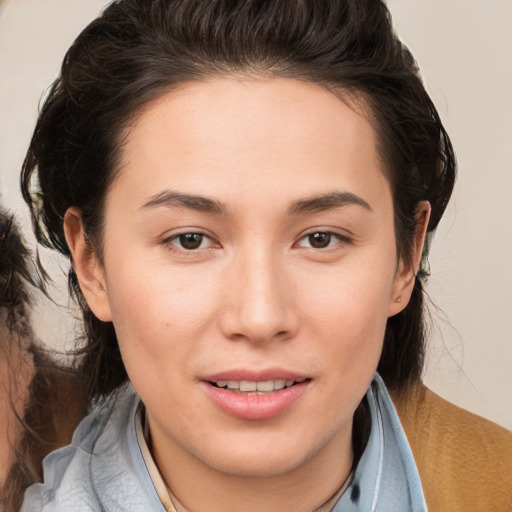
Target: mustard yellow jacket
x=464, y=461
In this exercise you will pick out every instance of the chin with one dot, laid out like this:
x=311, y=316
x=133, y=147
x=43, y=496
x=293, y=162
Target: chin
x=260, y=466
x=258, y=459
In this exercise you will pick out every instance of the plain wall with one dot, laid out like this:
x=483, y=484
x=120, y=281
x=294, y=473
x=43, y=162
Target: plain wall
x=464, y=50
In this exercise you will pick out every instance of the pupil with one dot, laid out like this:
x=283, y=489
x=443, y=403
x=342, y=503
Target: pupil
x=191, y=240
x=319, y=240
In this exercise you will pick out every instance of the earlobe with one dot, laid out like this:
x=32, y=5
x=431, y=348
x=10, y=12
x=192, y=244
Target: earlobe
x=88, y=268
x=408, y=269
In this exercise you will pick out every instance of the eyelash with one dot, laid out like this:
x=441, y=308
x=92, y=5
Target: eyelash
x=172, y=242
x=332, y=237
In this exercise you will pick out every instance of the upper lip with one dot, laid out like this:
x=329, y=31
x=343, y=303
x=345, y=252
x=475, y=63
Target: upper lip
x=252, y=375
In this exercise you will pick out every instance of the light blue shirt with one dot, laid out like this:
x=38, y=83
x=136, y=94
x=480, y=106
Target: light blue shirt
x=103, y=468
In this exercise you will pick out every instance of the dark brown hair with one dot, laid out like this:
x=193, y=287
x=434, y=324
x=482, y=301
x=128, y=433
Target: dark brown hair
x=15, y=277
x=55, y=404
x=140, y=49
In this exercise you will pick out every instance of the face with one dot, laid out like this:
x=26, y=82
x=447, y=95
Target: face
x=249, y=269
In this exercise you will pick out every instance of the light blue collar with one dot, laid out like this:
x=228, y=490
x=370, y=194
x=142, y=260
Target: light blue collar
x=386, y=478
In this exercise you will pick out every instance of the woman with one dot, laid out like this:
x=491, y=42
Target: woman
x=245, y=190
x=39, y=403
x=16, y=365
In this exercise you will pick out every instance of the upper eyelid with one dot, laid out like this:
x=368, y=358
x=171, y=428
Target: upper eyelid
x=344, y=234
x=177, y=235
x=186, y=231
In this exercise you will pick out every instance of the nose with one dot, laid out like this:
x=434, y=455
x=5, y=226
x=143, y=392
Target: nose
x=260, y=299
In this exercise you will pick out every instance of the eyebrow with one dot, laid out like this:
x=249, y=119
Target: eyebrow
x=326, y=202
x=204, y=204
x=179, y=200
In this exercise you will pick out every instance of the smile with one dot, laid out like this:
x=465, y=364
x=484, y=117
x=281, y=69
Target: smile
x=255, y=387
x=255, y=399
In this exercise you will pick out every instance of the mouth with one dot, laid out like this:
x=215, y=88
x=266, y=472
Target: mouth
x=256, y=388
x=255, y=397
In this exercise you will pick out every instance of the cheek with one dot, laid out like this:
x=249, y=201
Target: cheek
x=349, y=309
x=356, y=296
x=159, y=317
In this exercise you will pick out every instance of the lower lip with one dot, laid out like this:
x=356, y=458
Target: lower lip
x=256, y=407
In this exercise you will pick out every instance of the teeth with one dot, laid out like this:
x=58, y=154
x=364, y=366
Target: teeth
x=267, y=385
x=279, y=384
x=247, y=386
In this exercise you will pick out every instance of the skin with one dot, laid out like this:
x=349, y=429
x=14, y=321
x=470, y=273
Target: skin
x=256, y=294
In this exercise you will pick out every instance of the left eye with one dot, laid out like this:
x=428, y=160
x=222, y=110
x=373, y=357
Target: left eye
x=320, y=240
x=190, y=241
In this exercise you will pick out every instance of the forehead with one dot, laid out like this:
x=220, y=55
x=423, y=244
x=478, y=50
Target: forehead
x=229, y=135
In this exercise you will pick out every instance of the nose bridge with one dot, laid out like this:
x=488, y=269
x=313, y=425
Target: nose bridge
x=260, y=305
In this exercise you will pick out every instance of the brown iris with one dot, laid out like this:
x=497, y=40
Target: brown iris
x=191, y=241
x=319, y=240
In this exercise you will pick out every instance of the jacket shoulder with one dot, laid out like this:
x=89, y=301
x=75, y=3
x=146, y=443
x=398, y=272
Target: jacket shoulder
x=464, y=461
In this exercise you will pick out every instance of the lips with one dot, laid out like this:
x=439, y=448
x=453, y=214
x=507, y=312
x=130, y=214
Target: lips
x=255, y=395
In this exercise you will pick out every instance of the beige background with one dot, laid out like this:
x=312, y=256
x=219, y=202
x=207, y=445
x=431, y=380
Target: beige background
x=464, y=48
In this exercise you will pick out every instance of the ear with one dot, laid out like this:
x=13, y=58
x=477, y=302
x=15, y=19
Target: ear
x=407, y=269
x=88, y=268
